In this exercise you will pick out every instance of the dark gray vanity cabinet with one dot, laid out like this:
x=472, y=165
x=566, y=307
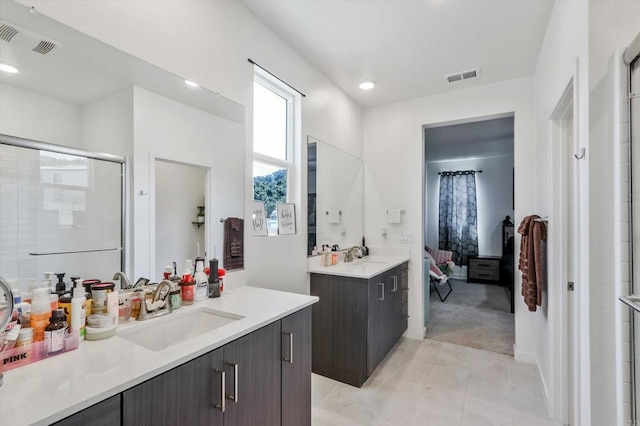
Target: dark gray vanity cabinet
x=356, y=323
x=104, y=413
x=296, y=369
x=262, y=385
x=339, y=328
x=186, y=395
x=253, y=378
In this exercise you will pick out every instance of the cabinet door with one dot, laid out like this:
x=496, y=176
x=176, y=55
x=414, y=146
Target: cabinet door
x=395, y=307
x=377, y=333
x=104, y=413
x=323, y=287
x=296, y=369
x=253, y=378
x=186, y=395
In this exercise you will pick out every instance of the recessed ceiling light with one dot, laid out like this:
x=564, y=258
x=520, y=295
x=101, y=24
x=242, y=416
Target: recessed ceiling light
x=191, y=83
x=8, y=68
x=367, y=84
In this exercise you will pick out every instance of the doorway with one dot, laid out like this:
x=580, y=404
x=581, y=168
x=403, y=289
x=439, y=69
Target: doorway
x=478, y=312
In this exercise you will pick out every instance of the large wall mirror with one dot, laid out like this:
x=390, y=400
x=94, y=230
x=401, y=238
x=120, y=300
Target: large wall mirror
x=72, y=92
x=335, y=196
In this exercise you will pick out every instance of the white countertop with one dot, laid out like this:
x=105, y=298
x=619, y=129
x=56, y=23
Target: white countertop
x=367, y=267
x=50, y=390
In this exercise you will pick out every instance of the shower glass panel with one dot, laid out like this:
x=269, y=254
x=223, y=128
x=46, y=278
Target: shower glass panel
x=634, y=105
x=59, y=213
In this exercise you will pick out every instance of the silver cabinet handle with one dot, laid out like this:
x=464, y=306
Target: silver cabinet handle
x=221, y=406
x=382, y=291
x=289, y=359
x=234, y=397
x=395, y=283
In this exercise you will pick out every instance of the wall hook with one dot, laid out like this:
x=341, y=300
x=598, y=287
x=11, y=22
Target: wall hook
x=582, y=153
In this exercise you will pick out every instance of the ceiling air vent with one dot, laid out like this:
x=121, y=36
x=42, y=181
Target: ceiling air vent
x=462, y=75
x=25, y=39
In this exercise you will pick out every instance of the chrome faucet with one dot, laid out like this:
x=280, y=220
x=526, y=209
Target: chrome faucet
x=159, y=304
x=352, y=253
x=124, y=281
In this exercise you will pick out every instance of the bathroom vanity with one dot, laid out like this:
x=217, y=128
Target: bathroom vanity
x=255, y=369
x=361, y=315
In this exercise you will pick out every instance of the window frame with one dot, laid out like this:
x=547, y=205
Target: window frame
x=269, y=82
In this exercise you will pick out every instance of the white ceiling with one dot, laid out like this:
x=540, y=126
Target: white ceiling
x=477, y=139
x=407, y=46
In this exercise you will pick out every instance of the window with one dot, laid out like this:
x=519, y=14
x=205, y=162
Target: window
x=273, y=139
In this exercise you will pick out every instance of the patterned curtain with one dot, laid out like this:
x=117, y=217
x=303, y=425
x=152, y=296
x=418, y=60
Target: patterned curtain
x=458, y=222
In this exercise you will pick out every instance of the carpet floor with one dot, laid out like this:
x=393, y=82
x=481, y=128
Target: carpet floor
x=474, y=315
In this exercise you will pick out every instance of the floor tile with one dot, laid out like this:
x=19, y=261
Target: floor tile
x=435, y=384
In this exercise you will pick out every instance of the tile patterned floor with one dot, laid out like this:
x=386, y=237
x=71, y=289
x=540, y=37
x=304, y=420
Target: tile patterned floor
x=432, y=383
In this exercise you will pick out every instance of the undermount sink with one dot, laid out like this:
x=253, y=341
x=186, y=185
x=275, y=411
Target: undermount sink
x=177, y=327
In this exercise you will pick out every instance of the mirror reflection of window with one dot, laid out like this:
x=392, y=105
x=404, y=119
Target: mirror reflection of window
x=64, y=180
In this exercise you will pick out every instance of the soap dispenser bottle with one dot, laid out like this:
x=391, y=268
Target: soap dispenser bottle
x=202, y=284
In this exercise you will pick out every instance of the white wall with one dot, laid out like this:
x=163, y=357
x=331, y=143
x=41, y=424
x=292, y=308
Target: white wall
x=393, y=140
x=58, y=121
x=612, y=25
x=180, y=189
x=494, y=194
x=209, y=42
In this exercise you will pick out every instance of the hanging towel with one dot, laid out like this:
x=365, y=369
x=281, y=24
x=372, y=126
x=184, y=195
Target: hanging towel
x=394, y=216
x=333, y=216
x=233, y=243
x=531, y=260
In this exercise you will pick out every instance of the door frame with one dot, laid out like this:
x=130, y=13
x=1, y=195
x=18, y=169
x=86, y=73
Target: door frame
x=561, y=368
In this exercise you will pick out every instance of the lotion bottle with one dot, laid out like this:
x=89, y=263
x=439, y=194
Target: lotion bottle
x=40, y=313
x=78, y=310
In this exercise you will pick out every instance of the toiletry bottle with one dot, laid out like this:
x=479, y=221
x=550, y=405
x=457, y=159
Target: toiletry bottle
x=187, y=289
x=214, y=282
x=202, y=284
x=53, y=299
x=46, y=282
x=167, y=272
x=113, y=299
x=78, y=311
x=40, y=313
x=221, y=274
x=64, y=303
x=54, y=332
x=11, y=339
x=17, y=297
x=61, y=286
x=25, y=337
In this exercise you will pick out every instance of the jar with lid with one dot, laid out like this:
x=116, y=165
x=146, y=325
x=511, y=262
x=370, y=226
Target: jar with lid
x=188, y=291
x=175, y=299
x=25, y=337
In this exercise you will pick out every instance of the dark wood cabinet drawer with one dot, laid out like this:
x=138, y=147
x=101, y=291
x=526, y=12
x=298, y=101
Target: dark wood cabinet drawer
x=484, y=269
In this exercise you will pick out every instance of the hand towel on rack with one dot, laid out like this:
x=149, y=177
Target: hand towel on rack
x=333, y=216
x=531, y=260
x=394, y=216
x=233, y=243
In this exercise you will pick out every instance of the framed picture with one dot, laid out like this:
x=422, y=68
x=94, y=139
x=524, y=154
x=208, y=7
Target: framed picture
x=286, y=218
x=258, y=219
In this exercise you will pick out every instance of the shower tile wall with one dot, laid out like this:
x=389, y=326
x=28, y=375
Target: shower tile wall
x=45, y=207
